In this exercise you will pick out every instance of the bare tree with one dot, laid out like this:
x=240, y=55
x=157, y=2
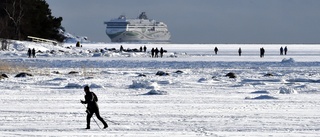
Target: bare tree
x=15, y=14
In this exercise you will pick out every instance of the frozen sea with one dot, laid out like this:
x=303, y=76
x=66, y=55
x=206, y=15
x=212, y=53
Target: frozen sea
x=277, y=95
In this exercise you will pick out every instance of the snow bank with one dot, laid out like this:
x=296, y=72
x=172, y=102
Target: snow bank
x=290, y=60
x=144, y=84
x=262, y=97
x=156, y=92
x=75, y=85
x=287, y=90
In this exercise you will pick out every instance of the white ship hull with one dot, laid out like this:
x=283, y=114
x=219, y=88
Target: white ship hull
x=136, y=36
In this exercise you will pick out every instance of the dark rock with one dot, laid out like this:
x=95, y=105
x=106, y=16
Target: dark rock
x=56, y=72
x=161, y=73
x=231, y=75
x=23, y=74
x=179, y=72
x=73, y=72
x=268, y=75
x=4, y=75
x=141, y=75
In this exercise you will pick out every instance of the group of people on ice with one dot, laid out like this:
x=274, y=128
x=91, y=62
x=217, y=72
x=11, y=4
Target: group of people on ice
x=285, y=50
x=155, y=52
x=31, y=53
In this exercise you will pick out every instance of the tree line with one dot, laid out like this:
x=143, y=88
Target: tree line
x=22, y=18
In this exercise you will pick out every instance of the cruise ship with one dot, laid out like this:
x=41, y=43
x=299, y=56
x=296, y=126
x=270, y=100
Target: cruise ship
x=139, y=30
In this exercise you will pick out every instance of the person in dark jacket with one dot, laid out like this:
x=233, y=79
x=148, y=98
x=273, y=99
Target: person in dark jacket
x=239, y=51
x=92, y=107
x=161, y=52
x=29, y=53
x=33, y=53
x=285, y=50
x=216, y=50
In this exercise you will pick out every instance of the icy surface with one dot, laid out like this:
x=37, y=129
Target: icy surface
x=194, y=99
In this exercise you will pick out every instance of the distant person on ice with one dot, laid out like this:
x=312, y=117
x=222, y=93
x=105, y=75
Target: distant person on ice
x=91, y=99
x=285, y=50
x=33, y=53
x=144, y=48
x=262, y=51
x=239, y=51
x=152, y=52
x=156, y=52
x=78, y=44
x=161, y=52
x=281, y=51
x=29, y=53
x=216, y=50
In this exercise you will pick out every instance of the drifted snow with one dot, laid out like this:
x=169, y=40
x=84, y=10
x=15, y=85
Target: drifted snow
x=201, y=101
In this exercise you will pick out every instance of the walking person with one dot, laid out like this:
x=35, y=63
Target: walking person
x=239, y=51
x=285, y=50
x=161, y=52
x=29, y=53
x=281, y=51
x=33, y=53
x=152, y=52
x=216, y=50
x=156, y=52
x=262, y=52
x=92, y=107
x=121, y=48
x=144, y=48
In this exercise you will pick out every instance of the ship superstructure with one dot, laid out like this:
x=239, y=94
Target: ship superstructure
x=141, y=29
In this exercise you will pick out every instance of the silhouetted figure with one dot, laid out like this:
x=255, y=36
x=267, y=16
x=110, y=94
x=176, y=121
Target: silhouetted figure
x=78, y=44
x=145, y=48
x=4, y=45
x=262, y=51
x=239, y=51
x=152, y=52
x=156, y=52
x=121, y=48
x=281, y=51
x=161, y=52
x=33, y=53
x=29, y=53
x=140, y=48
x=285, y=50
x=91, y=99
x=216, y=50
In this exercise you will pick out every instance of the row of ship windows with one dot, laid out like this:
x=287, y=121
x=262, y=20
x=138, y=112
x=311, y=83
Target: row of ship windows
x=123, y=27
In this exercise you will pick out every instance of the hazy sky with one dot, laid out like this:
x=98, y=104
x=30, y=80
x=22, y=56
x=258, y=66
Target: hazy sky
x=200, y=21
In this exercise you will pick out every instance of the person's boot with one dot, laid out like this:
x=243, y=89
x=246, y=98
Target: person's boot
x=105, y=125
x=88, y=127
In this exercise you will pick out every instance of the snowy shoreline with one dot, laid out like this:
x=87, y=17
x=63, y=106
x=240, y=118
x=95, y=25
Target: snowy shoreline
x=271, y=96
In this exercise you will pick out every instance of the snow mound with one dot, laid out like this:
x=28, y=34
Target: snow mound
x=262, y=97
x=156, y=92
x=73, y=85
x=260, y=92
x=290, y=60
x=144, y=84
x=95, y=86
x=73, y=39
x=19, y=46
x=202, y=80
x=287, y=90
x=58, y=79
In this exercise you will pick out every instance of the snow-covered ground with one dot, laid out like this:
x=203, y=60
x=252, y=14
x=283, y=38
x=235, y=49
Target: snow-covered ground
x=194, y=99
